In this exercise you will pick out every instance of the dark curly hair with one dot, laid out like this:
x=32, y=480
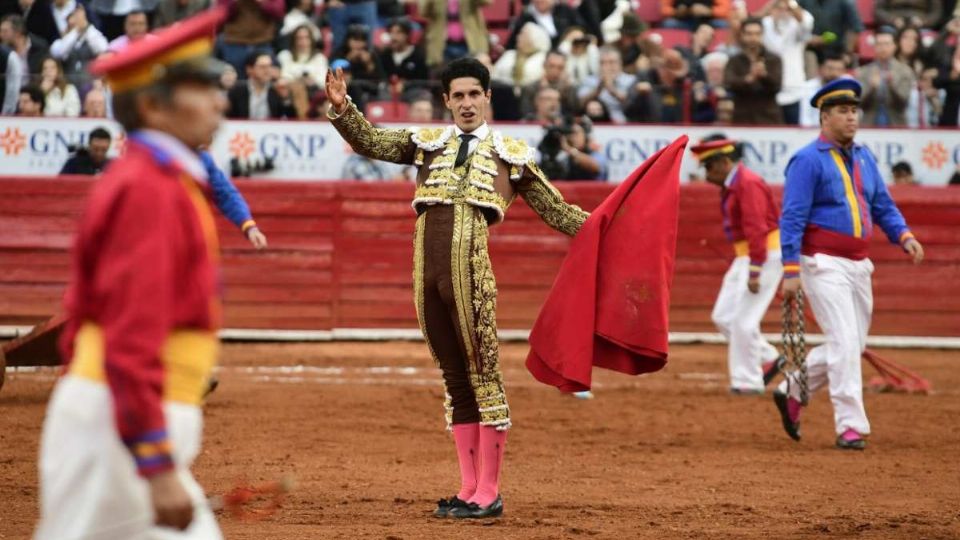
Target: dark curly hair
x=465, y=67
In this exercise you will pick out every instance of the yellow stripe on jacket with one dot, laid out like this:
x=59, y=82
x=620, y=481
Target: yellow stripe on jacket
x=742, y=248
x=188, y=357
x=850, y=194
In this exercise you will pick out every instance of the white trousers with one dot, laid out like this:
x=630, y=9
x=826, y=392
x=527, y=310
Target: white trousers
x=839, y=291
x=89, y=486
x=737, y=314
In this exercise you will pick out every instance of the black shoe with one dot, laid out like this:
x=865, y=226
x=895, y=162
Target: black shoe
x=792, y=428
x=212, y=385
x=445, y=506
x=475, y=511
x=774, y=369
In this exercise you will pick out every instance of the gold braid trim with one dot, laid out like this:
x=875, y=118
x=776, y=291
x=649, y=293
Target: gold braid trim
x=548, y=203
x=460, y=277
x=418, y=255
x=393, y=145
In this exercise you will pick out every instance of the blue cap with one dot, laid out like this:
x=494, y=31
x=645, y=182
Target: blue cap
x=838, y=91
x=340, y=63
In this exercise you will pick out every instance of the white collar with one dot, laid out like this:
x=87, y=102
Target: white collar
x=185, y=157
x=480, y=133
x=732, y=175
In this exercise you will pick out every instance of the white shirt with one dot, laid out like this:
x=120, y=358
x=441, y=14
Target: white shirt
x=399, y=57
x=810, y=115
x=788, y=38
x=185, y=157
x=545, y=20
x=479, y=134
x=259, y=106
x=65, y=103
x=62, y=47
x=60, y=14
x=731, y=175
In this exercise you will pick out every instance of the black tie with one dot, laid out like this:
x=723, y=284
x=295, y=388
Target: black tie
x=463, y=150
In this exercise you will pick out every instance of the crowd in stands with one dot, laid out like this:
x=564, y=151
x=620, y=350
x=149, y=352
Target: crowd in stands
x=565, y=63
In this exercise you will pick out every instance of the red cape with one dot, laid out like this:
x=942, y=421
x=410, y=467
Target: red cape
x=610, y=303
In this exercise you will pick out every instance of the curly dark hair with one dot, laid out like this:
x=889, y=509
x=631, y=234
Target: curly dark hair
x=465, y=67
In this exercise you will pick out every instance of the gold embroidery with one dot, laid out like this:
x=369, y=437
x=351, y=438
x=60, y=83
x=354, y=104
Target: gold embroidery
x=392, y=145
x=431, y=139
x=484, y=297
x=460, y=276
x=513, y=151
x=418, y=255
x=548, y=203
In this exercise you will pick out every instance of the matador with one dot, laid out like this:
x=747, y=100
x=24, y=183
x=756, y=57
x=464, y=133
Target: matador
x=468, y=174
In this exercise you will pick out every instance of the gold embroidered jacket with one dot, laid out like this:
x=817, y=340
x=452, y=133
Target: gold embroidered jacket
x=498, y=170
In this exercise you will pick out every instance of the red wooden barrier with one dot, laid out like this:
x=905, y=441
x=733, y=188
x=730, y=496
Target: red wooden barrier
x=340, y=257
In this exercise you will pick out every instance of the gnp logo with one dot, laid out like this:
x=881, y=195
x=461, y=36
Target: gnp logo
x=242, y=145
x=12, y=141
x=934, y=155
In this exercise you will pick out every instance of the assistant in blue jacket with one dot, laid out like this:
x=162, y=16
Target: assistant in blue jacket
x=226, y=196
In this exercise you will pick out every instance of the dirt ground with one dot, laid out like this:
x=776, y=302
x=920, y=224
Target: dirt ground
x=669, y=455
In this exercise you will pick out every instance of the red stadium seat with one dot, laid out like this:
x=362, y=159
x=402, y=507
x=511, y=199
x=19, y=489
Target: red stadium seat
x=865, y=46
x=866, y=8
x=649, y=11
x=497, y=13
x=670, y=37
x=720, y=36
x=381, y=38
x=386, y=111
x=753, y=6
x=501, y=35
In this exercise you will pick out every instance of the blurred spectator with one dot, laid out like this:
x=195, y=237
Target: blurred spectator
x=546, y=107
x=10, y=80
x=455, y=28
x=366, y=73
x=725, y=108
x=832, y=67
x=228, y=78
x=902, y=13
x=303, y=61
x=836, y=26
x=258, y=99
x=786, y=29
x=583, y=56
x=171, y=11
x=660, y=92
x=926, y=101
x=342, y=14
x=62, y=98
x=886, y=85
x=420, y=110
x=251, y=28
x=940, y=51
x=612, y=86
x=949, y=80
x=554, y=76
x=709, y=91
x=754, y=78
x=902, y=174
x=700, y=42
x=688, y=14
x=79, y=46
x=388, y=10
x=95, y=104
x=596, y=111
x=631, y=45
x=135, y=27
x=61, y=10
x=364, y=169
x=595, y=13
x=402, y=58
x=31, y=48
x=955, y=177
x=31, y=101
x=92, y=159
x=38, y=19
x=552, y=16
x=302, y=13
x=910, y=50
x=567, y=153
x=524, y=65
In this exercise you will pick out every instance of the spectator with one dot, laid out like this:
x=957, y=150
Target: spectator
x=926, y=101
x=582, y=54
x=171, y=11
x=612, y=86
x=364, y=169
x=342, y=14
x=546, y=107
x=660, y=92
x=886, y=85
x=38, y=19
x=595, y=14
x=597, y=112
x=258, y=99
x=228, y=78
x=61, y=10
x=902, y=174
x=700, y=42
x=250, y=29
x=420, y=110
x=92, y=159
x=689, y=14
x=786, y=29
x=754, y=77
x=456, y=32
x=709, y=91
x=31, y=48
x=832, y=67
x=909, y=49
x=135, y=27
x=62, y=98
x=366, y=73
x=303, y=61
x=402, y=59
x=524, y=65
x=941, y=50
x=955, y=177
x=95, y=104
x=552, y=16
x=725, y=109
x=10, y=80
x=302, y=13
x=903, y=13
x=631, y=45
x=949, y=80
x=79, y=46
x=554, y=76
x=836, y=26
x=112, y=14
x=587, y=162
x=31, y=101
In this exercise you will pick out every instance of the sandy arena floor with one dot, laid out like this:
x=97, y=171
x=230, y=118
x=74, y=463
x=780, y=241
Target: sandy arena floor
x=668, y=455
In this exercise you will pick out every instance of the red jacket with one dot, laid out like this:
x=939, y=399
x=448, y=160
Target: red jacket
x=750, y=214
x=144, y=267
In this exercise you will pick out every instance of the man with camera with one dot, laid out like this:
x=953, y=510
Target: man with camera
x=567, y=153
x=91, y=159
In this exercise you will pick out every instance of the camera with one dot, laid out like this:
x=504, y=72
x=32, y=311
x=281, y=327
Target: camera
x=550, y=147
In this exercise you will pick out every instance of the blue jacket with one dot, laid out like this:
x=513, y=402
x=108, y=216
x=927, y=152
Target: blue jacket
x=830, y=205
x=226, y=196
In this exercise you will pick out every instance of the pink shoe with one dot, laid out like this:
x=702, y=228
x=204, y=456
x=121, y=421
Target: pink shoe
x=851, y=440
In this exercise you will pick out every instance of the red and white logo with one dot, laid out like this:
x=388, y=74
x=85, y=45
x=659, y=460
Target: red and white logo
x=242, y=145
x=934, y=155
x=12, y=141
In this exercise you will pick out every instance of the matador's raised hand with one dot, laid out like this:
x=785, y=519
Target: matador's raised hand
x=336, y=88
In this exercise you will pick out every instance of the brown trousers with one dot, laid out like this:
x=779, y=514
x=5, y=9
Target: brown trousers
x=456, y=305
